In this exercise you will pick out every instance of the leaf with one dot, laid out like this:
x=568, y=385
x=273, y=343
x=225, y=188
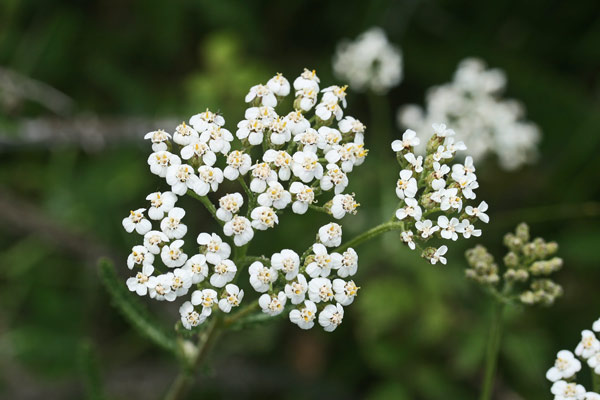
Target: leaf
x=133, y=311
x=90, y=371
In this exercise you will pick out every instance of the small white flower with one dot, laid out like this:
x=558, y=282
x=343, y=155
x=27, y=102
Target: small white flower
x=309, y=139
x=181, y=282
x=232, y=297
x=160, y=162
x=206, y=298
x=224, y=272
x=185, y=134
x=588, y=346
x=596, y=325
x=280, y=131
x=329, y=138
x=172, y=254
x=272, y=304
x=415, y=162
x=306, y=166
x=263, y=113
x=407, y=237
x=406, y=185
x=351, y=124
x=348, y=264
x=200, y=150
x=216, y=248
x=190, y=317
x=450, y=228
x=238, y=163
x=308, y=79
x=409, y=140
x=331, y=234
x=454, y=147
x=320, y=290
x=136, y=221
x=439, y=173
x=210, y=178
x=171, y=225
x=181, y=178
x=593, y=362
x=229, y=205
x=439, y=255
x=343, y=204
x=296, y=290
x=219, y=139
x=345, y=292
x=412, y=209
x=323, y=262
x=297, y=122
x=592, y=396
x=426, y=228
x=160, y=287
x=252, y=130
x=305, y=316
x=331, y=317
x=337, y=93
x=467, y=184
x=282, y=160
x=304, y=195
x=203, y=120
x=262, y=174
x=197, y=267
x=306, y=98
x=139, y=256
x=287, y=261
x=466, y=169
x=451, y=199
x=139, y=282
x=441, y=130
x=479, y=212
x=329, y=108
x=263, y=218
x=154, y=240
x=567, y=391
x=279, y=85
x=261, y=277
x=263, y=93
x=334, y=177
x=275, y=196
x=240, y=228
x=565, y=366
x=442, y=153
x=469, y=229
x=159, y=139
x=161, y=203
x=350, y=154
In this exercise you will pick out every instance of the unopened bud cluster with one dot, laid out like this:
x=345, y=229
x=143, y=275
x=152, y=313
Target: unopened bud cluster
x=434, y=194
x=528, y=265
x=295, y=160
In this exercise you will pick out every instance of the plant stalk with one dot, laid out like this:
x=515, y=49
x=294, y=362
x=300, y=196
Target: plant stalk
x=493, y=348
x=370, y=234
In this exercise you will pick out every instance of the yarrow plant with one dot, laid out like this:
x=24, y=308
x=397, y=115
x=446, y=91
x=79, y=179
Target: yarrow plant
x=299, y=160
x=485, y=122
x=525, y=279
x=563, y=374
x=370, y=62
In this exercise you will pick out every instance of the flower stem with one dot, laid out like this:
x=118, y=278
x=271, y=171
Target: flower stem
x=370, y=234
x=595, y=382
x=493, y=348
x=182, y=383
x=207, y=204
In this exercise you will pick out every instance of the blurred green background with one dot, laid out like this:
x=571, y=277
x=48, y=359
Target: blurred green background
x=71, y=166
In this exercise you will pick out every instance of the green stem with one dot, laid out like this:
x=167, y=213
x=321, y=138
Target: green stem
x=595, y=382
x=370, y=234
x=207, y=204
x=182, y=383
x=493, y=348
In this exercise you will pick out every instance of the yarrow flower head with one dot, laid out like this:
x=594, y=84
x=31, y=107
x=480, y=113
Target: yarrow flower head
x=297, y=159
x=484, y=121
x=432, y=198
x=370, y=62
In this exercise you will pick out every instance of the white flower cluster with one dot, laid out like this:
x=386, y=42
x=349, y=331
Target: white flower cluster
x=433, y=195
x=370, y=62
x=472, y=104
x=280, y=161
x=315, y=284
x=566, y=366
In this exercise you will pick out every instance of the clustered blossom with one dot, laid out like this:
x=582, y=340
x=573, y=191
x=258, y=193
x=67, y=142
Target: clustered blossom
x=472, y=104
x=434, y=194
x=528, y=265
x=563, y=374
x=370, y=62
x=299, y=159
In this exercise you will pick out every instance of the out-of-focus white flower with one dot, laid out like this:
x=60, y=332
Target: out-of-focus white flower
x=593, y=362
x=331, y=317
x=596, y=325
x=567, y=391
x=261, y=277
x=370, y=62
x=588, y=346
x=241, y=230
x=484, y=121
x=136, y=221
x=216, y=249
x=287, y=261
x=272, y=304
x=565, y=366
